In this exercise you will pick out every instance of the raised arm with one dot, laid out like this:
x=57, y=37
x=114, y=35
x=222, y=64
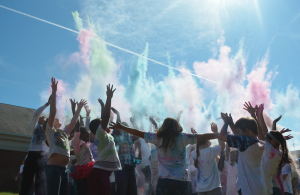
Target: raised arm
x=87, y=118
x=129, y=130
x=214, y=129
x=227, y=152
x=207, y=136
x=106, y=112
x=52, y=102
x=179, y=115
x=102, y=106
x=152, y=120
x=251, y=110
x=262, y=122
x=117, y=113
x=132, y=120
x=37, y=113
x=275, y=122
x=223, y=133
x=76, y=115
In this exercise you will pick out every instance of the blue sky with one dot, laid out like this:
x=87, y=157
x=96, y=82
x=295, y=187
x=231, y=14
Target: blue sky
x=187, y=30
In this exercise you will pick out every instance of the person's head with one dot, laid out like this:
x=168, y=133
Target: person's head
x=200, y=145
x=234, y=155
x=94, y=124
x=56, y=123
x=277, y=140
x=41, y=120
x=84, y=134
x=169, y=130
x=246, y=126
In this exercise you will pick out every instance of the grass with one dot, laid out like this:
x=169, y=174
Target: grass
x=8, y=193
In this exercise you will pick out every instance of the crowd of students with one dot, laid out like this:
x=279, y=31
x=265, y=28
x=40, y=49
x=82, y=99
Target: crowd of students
x=103, y=157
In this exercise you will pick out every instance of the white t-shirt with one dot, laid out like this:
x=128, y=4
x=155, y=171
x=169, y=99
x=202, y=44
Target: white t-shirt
x=287, y=183
x=172, y=163
x=58, y=141
x=270, y=162
x=145, y=149
x=232, y=180
x=154, y=164
x=250, y=173
x=207, y=176
x=108, y=158
x=38, y=141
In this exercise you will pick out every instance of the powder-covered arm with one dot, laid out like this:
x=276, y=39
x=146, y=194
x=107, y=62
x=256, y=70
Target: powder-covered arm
x=37, y=114
x=129, y=130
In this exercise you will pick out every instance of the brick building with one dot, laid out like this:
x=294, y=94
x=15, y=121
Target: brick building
x=15, y=137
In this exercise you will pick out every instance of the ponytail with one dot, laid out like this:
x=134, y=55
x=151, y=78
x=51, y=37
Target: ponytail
x=285, y=151
x=199, y=143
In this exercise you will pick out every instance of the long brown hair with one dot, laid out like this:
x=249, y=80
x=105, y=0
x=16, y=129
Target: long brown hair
x=169, y=130
x=199, y=143
x=285, y=151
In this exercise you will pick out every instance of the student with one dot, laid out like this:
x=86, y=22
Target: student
x=126, y=182
x=144, y=152
x=250, y=174
x=171, y=152
x=108, y=160
x=208, y=180
x=232, y=174
x=275, y=153
x=37, y=157
x=192, y=170
x=286, y=177
x=84, y=158
x=57, y=175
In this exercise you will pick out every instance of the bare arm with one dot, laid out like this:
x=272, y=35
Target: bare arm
x=132, y=120
x=227, y=152
x=207, y=136
x=52, y=103
x=275, y=122
x=102, y=106
x=223, y=133
x=214, y=129
x=107, y=108
x=117, y=113
x=76, y=115
x=129, y=130
x=263, y=125
x=179, y=115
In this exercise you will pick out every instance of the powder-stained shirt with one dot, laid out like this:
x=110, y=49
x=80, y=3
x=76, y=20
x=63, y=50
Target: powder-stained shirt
x=250, y=171
x=207, y=172
x=58, y=141
x=232, y=180
x=287, y=183
x=125, y=148
x=94, y=150
x=107, y=154
x=270, y=162
x=81, y=150
x=144, y=148
x=172, y=162
x=38, y=141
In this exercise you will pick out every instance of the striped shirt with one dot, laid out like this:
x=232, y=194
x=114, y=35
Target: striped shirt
x=107, y=154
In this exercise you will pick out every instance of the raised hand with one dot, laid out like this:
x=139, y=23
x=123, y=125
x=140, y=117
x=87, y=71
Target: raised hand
x=110, y=91
x=114, y=110
x=88, y=111
x=277, y=119
x=260, y=109
x=214, y=127
x=82, y=103
x=73, y=103
x=113, y=125
x=226, y=118
x=193, y=130
x=288, y=137
x=285, y=130
x=250, y=109
x=54, y=84
x=101, y=102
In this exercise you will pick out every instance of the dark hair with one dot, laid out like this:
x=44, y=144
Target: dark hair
x=199, y=143
x=83, y=130
x=94, y=124
x=45, y=125
x=169, y=130
x=285, y=151
x=247, y=123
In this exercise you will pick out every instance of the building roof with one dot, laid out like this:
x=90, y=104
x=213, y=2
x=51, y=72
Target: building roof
x=15, y=119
